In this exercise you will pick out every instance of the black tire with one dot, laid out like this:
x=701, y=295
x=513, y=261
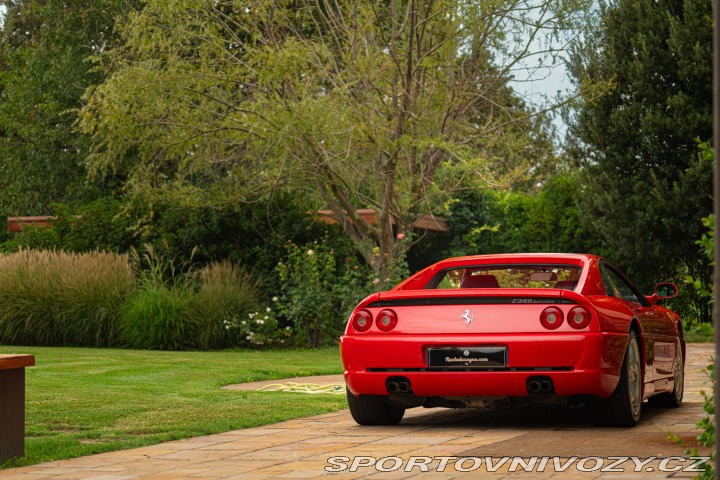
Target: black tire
x=673, y=399
x=373, y=410
x=622, y=408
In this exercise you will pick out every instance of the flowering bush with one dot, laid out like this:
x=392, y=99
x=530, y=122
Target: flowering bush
x=318, y=291
x=396, y=271
x=258, y=329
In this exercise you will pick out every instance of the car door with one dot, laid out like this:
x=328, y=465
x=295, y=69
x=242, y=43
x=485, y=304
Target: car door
x=658, y=330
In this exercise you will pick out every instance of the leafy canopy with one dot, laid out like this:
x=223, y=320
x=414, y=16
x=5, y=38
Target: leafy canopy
x=43, y=76
x=647, y=184
x=389, y=105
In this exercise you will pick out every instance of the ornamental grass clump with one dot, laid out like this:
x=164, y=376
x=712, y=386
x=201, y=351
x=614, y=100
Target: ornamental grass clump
x=227, y=296
x=59, y=298
x=156, y=317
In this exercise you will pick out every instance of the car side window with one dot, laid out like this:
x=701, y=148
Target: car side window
x=615, y=286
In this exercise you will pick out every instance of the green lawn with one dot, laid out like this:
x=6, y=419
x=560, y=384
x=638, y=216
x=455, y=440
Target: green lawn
x=82, y=401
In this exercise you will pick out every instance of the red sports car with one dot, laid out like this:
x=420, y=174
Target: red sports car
x=495, y=330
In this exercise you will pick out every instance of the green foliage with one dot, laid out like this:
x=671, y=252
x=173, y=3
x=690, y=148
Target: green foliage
x=155, y=318
x=257, y=329
x=226, y=298
x=179, y=308
x=349, y=102
x=101, y=224
x=707, y=241
x=156, y=267
x=547, y=220
x=317, y=292
x=31, y=238
x=707, y=248
x=702, y=287
x=645, y=182
x=698, y=332
x=43, y=45
x=56, y=298
x=707, y=425
x=252, y=235
x=307, y=277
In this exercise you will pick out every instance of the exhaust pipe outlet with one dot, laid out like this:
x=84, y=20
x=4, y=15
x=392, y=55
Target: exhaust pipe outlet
x=534, y=386
x=398, y=385
x=540, y=384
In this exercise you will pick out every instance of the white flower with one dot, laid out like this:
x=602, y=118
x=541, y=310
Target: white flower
x=287, y=328
x=267, y=310
x=243, y=322
x=250, y=315
x=310, y=252
x=275, y=299
x=259, y=322
x=227, y=327
x=266, y=317
x=249, y=337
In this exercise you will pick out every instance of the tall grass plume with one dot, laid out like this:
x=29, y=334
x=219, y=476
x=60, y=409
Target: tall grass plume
x=226, y=293
x=58, y=298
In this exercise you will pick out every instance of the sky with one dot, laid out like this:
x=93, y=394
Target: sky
x=538, y=89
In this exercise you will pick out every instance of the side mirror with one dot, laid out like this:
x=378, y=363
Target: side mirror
x=666, y=290
x=663, y=290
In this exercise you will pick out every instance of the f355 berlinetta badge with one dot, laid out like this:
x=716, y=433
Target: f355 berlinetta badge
x=468, y=317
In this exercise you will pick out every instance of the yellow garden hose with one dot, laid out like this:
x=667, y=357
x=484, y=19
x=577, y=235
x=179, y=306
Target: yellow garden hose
x=333, y=389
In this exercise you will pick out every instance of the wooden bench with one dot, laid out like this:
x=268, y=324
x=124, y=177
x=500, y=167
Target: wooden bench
x=12, y=404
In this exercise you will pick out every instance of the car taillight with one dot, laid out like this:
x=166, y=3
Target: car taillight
x=362, y=320
x=579, y=317
x=386, y=320
x=551, y=318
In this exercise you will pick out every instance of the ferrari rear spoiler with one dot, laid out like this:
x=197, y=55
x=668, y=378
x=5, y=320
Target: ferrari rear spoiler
x=472, y=296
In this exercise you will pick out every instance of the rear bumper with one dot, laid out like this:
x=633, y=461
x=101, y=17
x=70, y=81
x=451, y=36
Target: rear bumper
x=578, y=363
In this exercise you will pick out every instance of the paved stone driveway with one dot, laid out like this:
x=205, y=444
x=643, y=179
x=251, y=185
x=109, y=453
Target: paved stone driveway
x=301, y=448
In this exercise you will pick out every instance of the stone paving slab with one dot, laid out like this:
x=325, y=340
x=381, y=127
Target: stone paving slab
x=474, y=442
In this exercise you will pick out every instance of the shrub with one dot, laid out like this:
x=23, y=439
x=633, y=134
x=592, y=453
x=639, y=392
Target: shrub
x=155, y=318
x=257, y=329
x=226, y=294
x=102, y=224
x=57, y=298
x=31, y=238
x=318, y=292
x=307, y=278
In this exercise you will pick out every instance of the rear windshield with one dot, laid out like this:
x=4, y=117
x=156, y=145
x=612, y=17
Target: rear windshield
x=514, y=276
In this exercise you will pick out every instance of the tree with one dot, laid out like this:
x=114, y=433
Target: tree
x=388, y=105
x=43, y=76
x=548, y=220
x=646, y=182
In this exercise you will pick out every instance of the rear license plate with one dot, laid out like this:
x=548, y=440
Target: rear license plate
x=467, y=357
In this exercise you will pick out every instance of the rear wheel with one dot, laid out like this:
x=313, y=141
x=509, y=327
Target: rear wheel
x=673, y=399
x=373, y=410
x=622, y=408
